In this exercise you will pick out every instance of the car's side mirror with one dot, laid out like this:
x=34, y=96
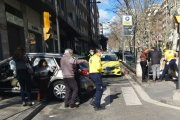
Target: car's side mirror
x=120, y=60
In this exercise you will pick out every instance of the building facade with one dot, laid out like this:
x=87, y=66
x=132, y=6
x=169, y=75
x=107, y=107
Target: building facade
x=21, y=24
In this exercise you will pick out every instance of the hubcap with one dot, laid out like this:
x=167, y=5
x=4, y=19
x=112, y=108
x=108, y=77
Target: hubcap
x=60, y=91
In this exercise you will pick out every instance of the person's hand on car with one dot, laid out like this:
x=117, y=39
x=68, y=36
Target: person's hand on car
x=79, y=70
x=85, y=61
x=53, y=68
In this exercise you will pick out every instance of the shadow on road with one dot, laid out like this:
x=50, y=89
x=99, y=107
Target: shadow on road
x=109, y=99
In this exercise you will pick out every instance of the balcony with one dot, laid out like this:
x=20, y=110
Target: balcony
x=70, y=5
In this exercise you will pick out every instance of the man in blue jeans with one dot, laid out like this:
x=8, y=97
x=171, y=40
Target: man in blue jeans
x=95, y=75
x=170, y=61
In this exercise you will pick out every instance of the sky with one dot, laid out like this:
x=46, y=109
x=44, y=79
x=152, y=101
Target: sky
x=105, y=15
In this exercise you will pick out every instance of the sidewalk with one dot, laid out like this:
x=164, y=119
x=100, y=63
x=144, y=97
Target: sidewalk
x=11, y=108
x=160, y=91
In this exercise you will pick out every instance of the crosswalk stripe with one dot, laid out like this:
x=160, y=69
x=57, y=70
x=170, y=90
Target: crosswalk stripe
x=105, y=100
x=120, y=84
x=130, y=96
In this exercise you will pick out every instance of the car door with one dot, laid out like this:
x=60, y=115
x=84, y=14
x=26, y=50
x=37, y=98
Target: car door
x=8, y=78
x=51, y=63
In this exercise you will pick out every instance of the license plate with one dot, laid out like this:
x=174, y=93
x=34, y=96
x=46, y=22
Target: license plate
x=107, y=71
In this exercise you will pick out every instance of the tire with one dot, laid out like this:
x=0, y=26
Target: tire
x=58, y=90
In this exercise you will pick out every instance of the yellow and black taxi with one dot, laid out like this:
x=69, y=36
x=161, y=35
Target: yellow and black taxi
x=110, y=64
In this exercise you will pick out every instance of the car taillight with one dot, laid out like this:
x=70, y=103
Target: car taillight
x=85, y=73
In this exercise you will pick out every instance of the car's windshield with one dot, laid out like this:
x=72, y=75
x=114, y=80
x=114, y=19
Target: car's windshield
x=109, y=58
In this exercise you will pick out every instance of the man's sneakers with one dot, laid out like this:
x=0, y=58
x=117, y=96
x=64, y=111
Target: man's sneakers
x=99, y=108
x=74, y=105
x=71, y=105
x=92, y=103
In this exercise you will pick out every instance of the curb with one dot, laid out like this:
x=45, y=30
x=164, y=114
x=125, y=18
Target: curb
x=166, y=101
x=31, y=112
x=170, y=102
x=131, y=73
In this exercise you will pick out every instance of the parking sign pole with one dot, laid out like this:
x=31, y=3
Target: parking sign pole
x=123, y=48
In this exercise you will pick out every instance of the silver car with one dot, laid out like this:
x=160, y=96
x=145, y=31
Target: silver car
x=9, y=82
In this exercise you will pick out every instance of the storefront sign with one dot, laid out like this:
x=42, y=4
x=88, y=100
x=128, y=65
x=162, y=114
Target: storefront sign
x=34, y=28
x=14, y=19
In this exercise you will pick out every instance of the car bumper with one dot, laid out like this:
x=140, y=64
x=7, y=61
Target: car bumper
x=112, y=72
x=86, y=84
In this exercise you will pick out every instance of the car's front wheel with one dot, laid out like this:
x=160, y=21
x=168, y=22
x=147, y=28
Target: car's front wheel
x=59, y=90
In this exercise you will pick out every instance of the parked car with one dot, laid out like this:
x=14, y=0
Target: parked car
x=9, y=83
x=110, y=64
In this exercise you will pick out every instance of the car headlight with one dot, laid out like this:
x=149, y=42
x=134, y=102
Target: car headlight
x=118, y=67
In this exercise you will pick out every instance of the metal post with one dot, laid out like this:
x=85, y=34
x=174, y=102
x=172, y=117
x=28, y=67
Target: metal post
x=178, y=87
x=57, y=24
x=123, y=48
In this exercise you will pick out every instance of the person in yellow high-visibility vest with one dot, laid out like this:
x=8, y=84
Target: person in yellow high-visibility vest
x=170, y=61
x=95, y=75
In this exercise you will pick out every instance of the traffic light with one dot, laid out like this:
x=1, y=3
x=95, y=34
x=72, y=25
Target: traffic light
x=177, y=19
x=47, y=26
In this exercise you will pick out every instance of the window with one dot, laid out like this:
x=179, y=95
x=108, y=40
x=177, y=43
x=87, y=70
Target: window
x=50, y=62
x=32, y=39
x=63, y=5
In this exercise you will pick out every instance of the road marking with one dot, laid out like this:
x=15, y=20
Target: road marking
x=120, y=84
x=146, y=97
x=130, y=96
x=105, y=100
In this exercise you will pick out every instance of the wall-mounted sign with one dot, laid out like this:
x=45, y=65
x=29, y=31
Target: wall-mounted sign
x=127, y=20
x=34, y=28
x=14, y=19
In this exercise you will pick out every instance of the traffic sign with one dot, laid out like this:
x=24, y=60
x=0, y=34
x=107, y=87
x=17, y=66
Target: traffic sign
x=127, y=30
x=127, y=20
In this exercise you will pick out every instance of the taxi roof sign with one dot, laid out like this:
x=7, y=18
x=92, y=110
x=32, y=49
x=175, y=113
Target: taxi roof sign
x=127, y=20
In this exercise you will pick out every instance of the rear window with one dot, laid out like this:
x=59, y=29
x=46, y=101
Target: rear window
x=84, y=65
x=50, y=62
x=58, y=61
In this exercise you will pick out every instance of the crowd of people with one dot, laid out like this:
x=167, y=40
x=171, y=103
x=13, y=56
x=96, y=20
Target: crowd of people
x=42, y=74
x=154, y=56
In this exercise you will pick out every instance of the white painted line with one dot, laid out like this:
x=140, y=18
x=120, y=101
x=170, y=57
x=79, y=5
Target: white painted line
x=121, y=84
x=130, y=96
x=146, y=97
x=105, y=100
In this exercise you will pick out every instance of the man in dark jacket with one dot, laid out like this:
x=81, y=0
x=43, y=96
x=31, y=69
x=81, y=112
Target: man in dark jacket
x=155, y=57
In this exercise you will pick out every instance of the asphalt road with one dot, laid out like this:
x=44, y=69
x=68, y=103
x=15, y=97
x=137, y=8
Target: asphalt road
x=122, y=103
